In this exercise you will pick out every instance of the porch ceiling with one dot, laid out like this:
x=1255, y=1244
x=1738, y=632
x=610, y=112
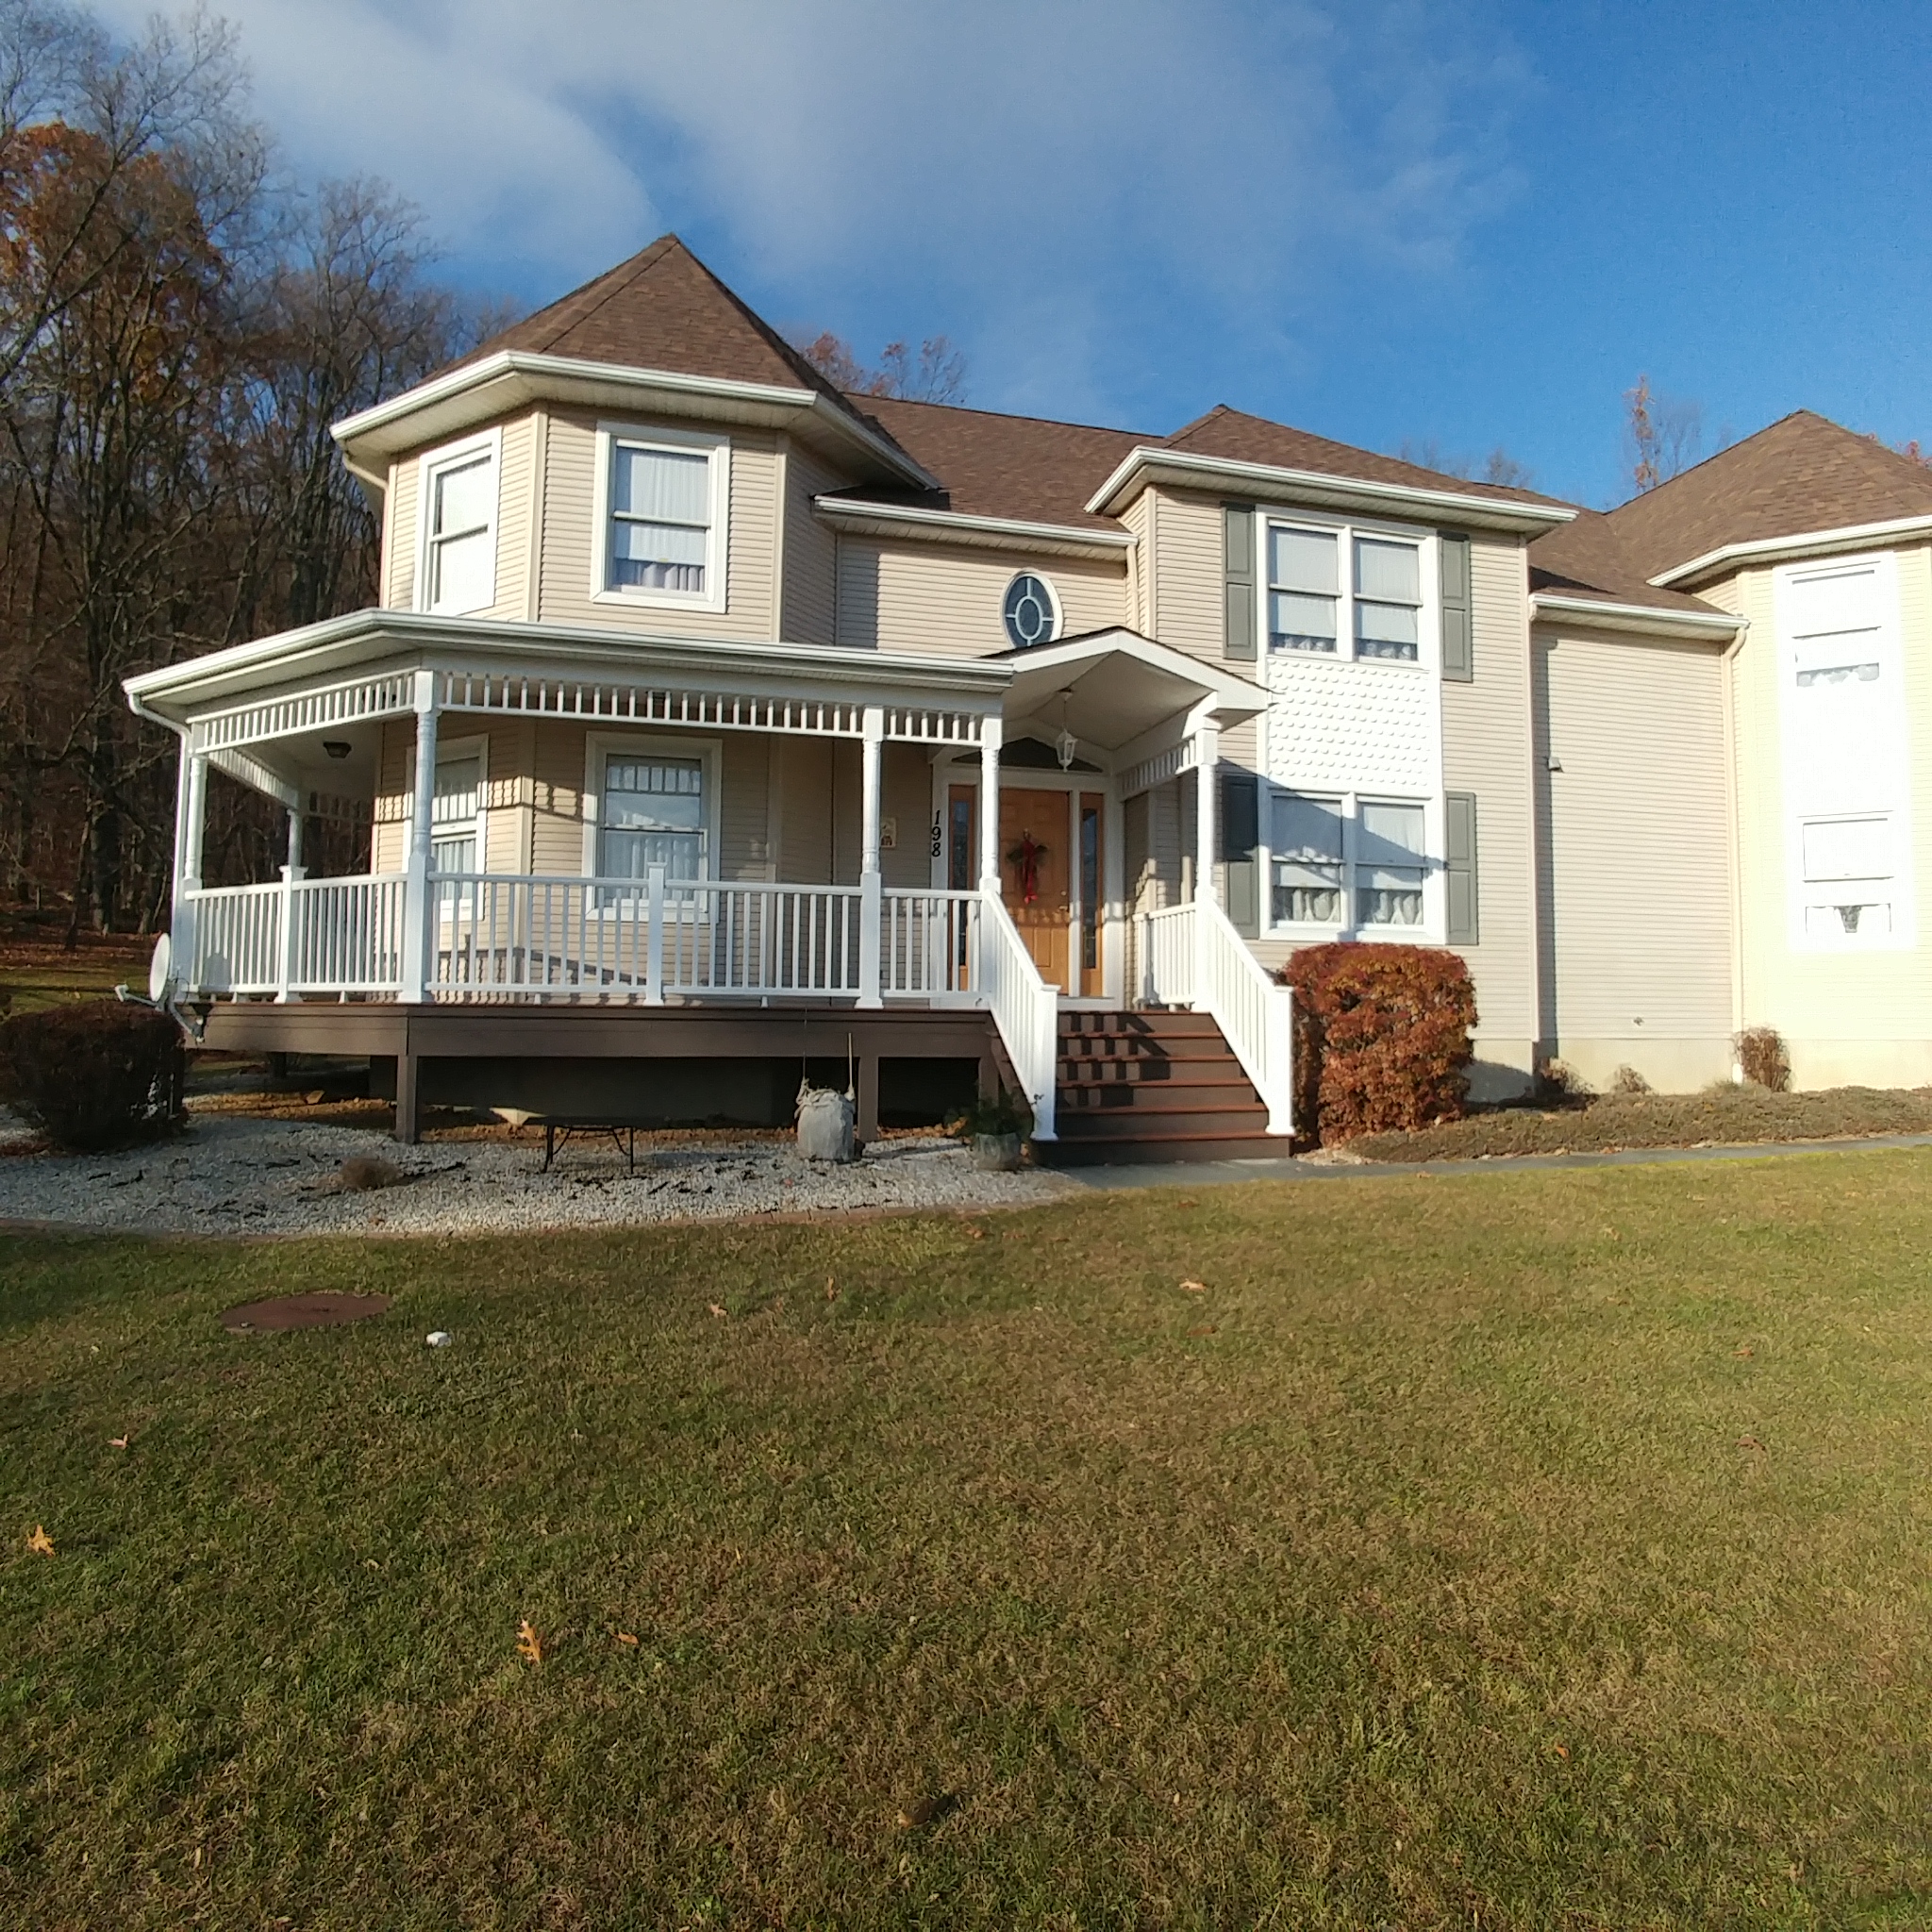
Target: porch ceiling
x=1122, y=685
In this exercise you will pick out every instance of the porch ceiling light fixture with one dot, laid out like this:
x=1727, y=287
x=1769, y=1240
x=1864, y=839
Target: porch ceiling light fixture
x=1065, y=745
x=336, y=747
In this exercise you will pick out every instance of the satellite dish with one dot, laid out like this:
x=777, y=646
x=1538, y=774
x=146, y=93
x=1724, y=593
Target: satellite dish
x=161, y=972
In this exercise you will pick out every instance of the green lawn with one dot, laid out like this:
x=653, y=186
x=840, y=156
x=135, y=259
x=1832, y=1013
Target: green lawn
x=1504, y=1551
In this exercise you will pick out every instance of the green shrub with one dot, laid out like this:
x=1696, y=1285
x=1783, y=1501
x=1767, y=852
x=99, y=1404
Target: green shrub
x=93, y=1074
x=1381, y=1038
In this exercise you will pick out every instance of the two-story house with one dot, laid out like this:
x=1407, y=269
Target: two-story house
x=711, y=720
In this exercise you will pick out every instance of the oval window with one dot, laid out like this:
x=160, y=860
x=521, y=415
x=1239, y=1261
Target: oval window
x=1031, y=613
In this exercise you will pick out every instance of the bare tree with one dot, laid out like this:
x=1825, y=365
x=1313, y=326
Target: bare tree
x=1664, y=435
x=1498, y=467
x=935, y=374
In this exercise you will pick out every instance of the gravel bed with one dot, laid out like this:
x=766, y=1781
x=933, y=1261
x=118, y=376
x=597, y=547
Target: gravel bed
x=229, y=1175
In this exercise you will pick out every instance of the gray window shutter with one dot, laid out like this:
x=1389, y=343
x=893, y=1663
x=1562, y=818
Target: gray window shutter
x=1459, y=853
x=1241, y=833
x=1238, y=551
x=1459, y=640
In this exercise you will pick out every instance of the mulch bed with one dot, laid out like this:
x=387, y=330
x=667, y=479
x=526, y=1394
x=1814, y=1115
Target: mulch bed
x=303, y=1311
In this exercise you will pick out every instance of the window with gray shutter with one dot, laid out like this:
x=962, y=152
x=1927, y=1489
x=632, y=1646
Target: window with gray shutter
x=1238, y=553
x=1459, y=867
x=1459, y=640
x=1241, y=835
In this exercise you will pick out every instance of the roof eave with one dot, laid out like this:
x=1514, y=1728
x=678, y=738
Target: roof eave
x=1730, y=556
x=953, y=527
x=1599, y=613
x=1145, y=464
x=343, y=644
x=447, y=404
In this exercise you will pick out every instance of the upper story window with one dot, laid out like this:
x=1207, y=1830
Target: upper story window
x=456, y=565
x=662, y=498
x=1312, y=605
x=1031, y=611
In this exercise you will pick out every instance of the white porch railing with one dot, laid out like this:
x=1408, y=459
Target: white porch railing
x=1024, y=1008
x=929, y=945
x=298, y=936
x=1192, y=956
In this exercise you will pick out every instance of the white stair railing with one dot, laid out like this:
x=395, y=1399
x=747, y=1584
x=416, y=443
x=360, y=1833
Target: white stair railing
x=1026, y=1009
x=1166, y=955
x=1255, y=1014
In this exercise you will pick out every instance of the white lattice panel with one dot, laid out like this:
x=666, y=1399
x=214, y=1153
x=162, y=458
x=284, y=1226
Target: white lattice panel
x=1344, y=726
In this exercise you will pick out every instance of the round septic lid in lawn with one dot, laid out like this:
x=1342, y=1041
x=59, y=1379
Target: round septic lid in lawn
x=303, y=1311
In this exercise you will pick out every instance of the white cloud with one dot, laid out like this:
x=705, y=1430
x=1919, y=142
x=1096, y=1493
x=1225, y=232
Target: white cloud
x=1016, y=172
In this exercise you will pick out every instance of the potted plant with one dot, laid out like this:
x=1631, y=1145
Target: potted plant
x=994, y=1129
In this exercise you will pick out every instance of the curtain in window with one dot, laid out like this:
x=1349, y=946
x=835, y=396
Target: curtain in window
x=661, y=516
x=1306, y=848
x=1388, y=585
x=453, y=815
x=652, y=813
x=1389, y=865
x=461, y=565
x=1303, y=589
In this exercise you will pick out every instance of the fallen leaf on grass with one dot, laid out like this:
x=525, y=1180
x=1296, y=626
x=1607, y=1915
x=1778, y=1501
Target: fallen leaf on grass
x=1751, y=1442
x=923, y=1811
x=1188, y=1204
x=831, y=1289
x=529, y=1645
x=1743, y=1351
x=625, y=1637
x=1561, y=1751
x=1193, y=1287
x=715, y=1308
x=976, y=1232
x=1201, y=1331
x=119, y=1441
x=41, y=1543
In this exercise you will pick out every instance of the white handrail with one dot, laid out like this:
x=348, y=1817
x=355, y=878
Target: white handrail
x=929, y=945
x=1167, y=955
x=1255, y=1014
x=1024, y=1008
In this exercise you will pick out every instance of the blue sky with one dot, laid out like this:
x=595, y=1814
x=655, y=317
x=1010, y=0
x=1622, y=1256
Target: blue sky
x=1385, y=220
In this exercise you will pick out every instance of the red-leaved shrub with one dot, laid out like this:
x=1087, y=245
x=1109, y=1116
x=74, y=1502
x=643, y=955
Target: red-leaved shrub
x=93, y=1074
x=1381, y=1038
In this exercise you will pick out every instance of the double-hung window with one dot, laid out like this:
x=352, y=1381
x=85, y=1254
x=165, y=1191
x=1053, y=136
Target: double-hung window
x=456, y=825
x=661, y=508
x=1389, y=864
x=457, y=560
x=1376, y=602
x=651, y=812
x=1338, y=862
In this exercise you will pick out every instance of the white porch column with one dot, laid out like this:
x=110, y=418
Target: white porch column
x=190, y=822
x=871, y=898
x=296, y=840
x=417, y=909
x=1207, y=736
x=291, y=913
x=991, y=731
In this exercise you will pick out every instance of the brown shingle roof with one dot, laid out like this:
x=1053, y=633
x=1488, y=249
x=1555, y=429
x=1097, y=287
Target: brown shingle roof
x=1587, y=558
x=1243, y=438
x=1802, y=473
x=1019, y=467
x=663, y=308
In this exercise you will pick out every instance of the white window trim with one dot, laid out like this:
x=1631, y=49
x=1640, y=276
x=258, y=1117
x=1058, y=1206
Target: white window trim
x=1434, y=929
x=1053, y=605
x=598, y=745
x=433, y=462
x=1429, y=650
x=717, y=546
x=1891, y=797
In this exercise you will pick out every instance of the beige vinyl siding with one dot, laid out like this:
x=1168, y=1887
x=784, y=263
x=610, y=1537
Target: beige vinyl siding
x=1188, y=579
x=1638, y=877
x=1846, y=1017
x=571, y=543
x=501, y=745
x=1486, y=750
x=808, y=609
x=388, y=842
x=941, y=602
x=399, y=576
x=906, y=798
x=1135, y=519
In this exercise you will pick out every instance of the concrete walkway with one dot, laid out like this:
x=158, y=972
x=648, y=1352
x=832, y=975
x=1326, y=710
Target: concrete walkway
x=1209, y=1173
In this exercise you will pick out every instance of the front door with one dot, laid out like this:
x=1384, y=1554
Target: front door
x=1036, y=875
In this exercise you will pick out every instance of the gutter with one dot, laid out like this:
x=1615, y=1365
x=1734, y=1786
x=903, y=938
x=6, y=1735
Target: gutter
x=846, y=513
x=1605, y=614
x=1764, y=549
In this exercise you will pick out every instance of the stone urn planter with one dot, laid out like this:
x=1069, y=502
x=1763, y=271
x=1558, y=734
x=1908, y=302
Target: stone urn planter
x=996, y=1153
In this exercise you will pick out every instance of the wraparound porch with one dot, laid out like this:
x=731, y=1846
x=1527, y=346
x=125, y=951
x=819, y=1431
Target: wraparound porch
x=693, y=784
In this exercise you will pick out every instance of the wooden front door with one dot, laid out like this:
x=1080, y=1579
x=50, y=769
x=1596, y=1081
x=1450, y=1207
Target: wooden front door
x=1036, y=875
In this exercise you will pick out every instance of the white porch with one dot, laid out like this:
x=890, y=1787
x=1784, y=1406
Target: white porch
x=304, y=719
